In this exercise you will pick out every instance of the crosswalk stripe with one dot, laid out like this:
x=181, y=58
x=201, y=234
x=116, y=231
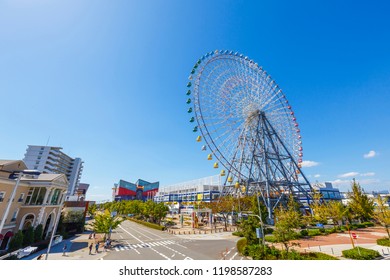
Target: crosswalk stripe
x=144, y=245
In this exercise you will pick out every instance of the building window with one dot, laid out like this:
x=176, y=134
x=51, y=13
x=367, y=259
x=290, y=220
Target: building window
x=55, y=197
x=37, y=162
x=15, y=215
x=2, y=195
x=29, y=195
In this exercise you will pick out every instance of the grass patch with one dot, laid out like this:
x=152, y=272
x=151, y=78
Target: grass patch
x=359, y=253
x=383, y=242
x=147, y=224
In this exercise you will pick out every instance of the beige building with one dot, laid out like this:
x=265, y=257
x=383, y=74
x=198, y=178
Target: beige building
x=37, y=200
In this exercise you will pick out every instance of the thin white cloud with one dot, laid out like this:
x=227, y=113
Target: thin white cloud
x=341, y=182
x=367, y=174
x=317, y=176
x=309, y=163
x=349, y=174
x=370, y=154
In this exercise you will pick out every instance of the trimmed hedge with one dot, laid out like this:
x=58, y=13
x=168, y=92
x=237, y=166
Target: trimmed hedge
x=365, y=254
x=241, y=244
x=147, y=224
x=238, y=233
x=317, y=256
x=383, y=242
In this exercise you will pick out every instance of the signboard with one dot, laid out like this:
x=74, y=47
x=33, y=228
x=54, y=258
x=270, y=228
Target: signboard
x=258, y=233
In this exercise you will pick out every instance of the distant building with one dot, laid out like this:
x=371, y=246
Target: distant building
x=80, y=193
x=141, y=190
x=328, y=191
x=49, y=159
x=205, y=189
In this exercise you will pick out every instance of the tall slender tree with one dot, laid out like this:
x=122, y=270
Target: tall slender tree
x=382, y=213
x=288, y=220
x=360, y=204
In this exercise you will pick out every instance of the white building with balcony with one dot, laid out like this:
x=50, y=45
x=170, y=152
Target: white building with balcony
x=47, y=159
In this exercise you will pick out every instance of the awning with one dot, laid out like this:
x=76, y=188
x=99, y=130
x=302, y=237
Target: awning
x=9, y=234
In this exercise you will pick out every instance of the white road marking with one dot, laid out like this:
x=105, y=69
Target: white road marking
x=234, y=256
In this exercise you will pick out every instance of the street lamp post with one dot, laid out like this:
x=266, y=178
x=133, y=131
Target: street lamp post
x=20, y=175
x=55, y=225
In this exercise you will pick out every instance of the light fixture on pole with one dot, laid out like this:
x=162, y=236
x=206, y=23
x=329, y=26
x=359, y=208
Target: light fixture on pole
x=55, y=224
x=20, y=175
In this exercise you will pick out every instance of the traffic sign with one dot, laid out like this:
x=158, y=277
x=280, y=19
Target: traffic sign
x=354, y=236
x=258, y=233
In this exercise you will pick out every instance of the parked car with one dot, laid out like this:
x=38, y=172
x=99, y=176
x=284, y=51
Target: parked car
x=26, y=251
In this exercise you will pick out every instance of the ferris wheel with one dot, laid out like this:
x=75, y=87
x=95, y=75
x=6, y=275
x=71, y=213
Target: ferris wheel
x=247, y=126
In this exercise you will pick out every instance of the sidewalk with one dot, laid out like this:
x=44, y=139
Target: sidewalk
x=77, y=250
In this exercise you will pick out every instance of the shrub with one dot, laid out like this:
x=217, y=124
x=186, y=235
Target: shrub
x=28, y=237
x=368, y=224
x=317, y=256
x=238, y=233
x=151, y=225
x=16, y=242
x=270, y=238
x=304, y=233
x=38, y=232
x=383, y=242
x=314, y=232
x=241, y=245
x=268, y=230
x=361, y=226
x=330, y=230
x=359, y=253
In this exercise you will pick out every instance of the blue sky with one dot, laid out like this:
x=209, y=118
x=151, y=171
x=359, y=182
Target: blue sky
x=106, y=81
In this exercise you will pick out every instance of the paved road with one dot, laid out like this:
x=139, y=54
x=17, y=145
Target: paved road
x=136, y=242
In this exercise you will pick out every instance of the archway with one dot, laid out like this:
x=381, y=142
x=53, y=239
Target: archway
x=6, y=238
x=47, y=224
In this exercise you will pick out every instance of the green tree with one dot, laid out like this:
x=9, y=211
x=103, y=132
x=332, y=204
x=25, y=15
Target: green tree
x=28, y=237
x=319, y=208
x=104, y=222
x=336, y=211
x=160, y=210
x=288, y=220
x=360, y=204
x=92, y=209
x=38, y=232
x=382, y=213
x=224, y=207
x=16, y=242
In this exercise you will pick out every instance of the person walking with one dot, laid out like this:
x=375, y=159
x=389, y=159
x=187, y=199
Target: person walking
x=64, y=249
x=90, y=248
x=97, y=247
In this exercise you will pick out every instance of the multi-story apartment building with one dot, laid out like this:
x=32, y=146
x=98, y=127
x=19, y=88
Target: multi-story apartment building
x=37, y=200
x=49, y=159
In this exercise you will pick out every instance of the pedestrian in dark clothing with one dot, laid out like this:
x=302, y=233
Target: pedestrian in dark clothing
x=97, y=247
x=64, y=249
x=90, y=249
